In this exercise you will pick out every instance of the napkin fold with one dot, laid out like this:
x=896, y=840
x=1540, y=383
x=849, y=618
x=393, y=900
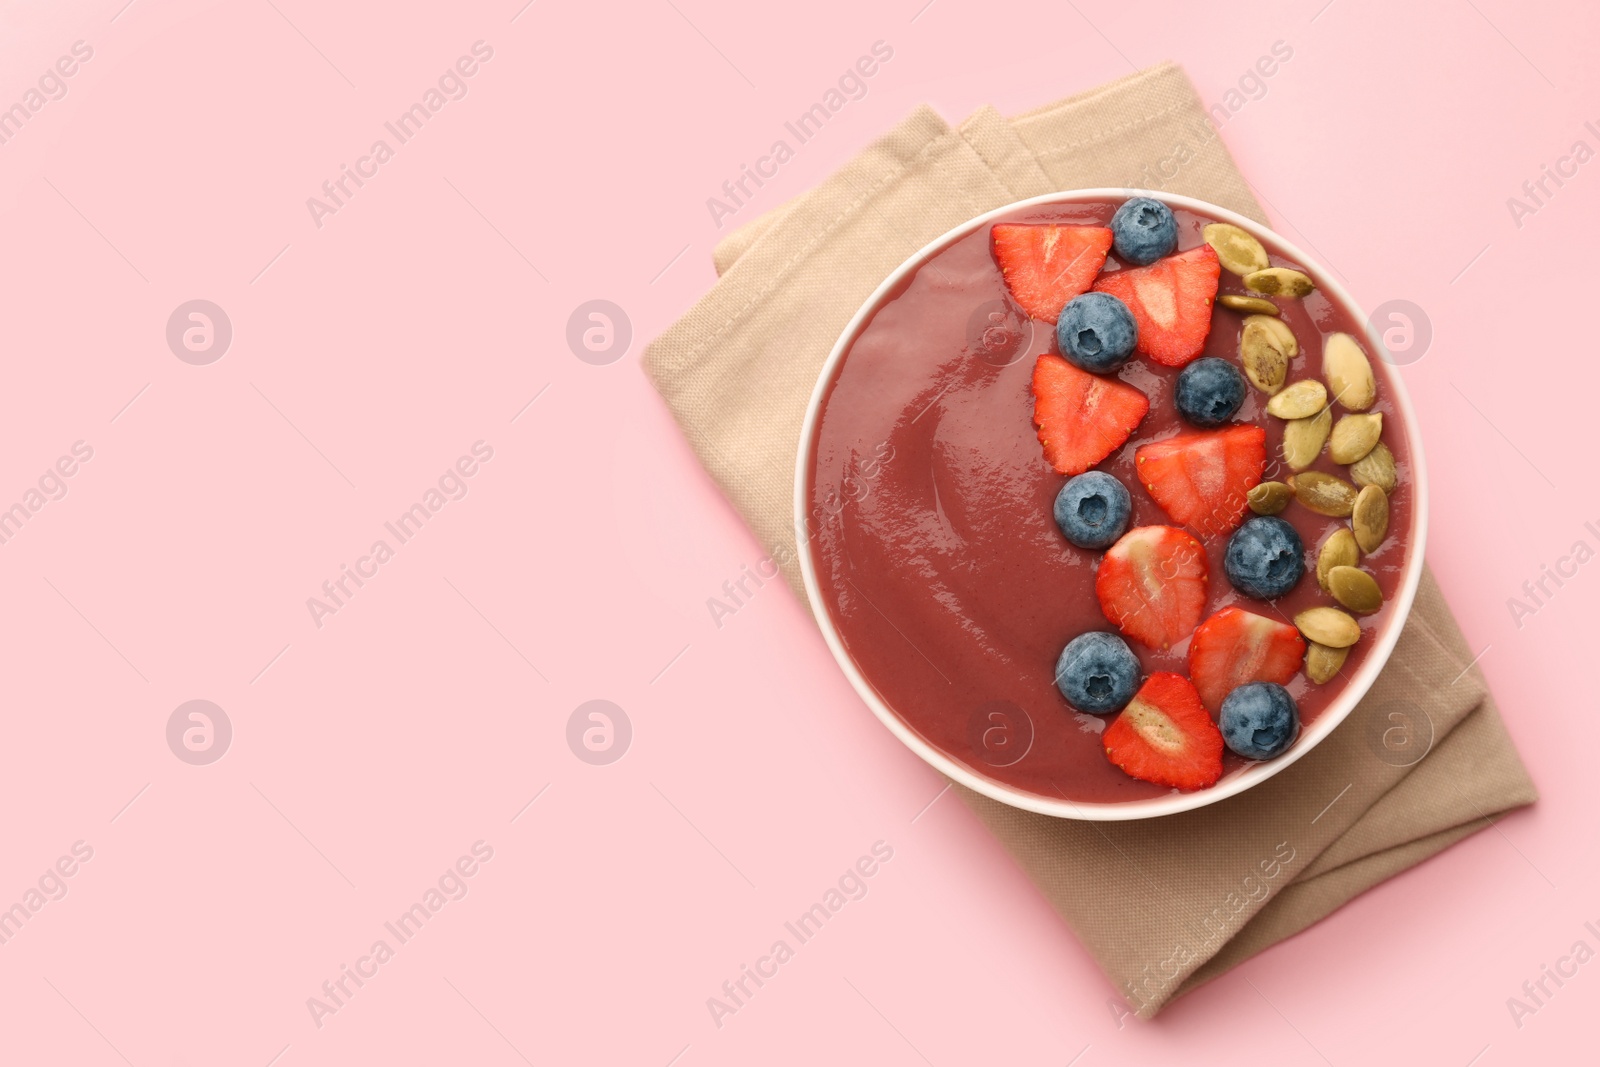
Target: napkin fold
x=1164, y=905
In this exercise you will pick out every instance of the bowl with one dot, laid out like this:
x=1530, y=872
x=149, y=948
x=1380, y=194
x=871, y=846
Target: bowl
x=1241, y=779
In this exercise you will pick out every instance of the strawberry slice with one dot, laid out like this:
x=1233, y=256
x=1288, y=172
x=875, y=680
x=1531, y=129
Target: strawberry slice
x=1152, y=584
x=1045, y=265
x=1166, y=736
x=1235, y=646
x=1171, y=301
x=1082, y=417
x=1203, y=479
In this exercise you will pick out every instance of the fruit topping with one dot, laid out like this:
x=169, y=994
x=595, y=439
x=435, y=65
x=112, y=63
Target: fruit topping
x=1097, y=673
x=1093, y=510
x=1082, y=418
x=1171, y=300
x=1152, y=585
x=1143, y=230
x=1096, y=332
x=1235, y=646
x=1047, y=264
x=1209, y=391
x=1260, y=720
x=1166, y=736
x=1203, y=479
x=1265, y=558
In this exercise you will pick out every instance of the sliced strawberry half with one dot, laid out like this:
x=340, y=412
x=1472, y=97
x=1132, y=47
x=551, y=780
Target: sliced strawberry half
x=1166, y=736
x=1235, y=646
x=1152, y=584
x=1171, y=301
x=1203, y=479
x=1047, y=264
x=1082, y=417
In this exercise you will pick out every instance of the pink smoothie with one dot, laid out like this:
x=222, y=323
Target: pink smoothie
x=936, y=553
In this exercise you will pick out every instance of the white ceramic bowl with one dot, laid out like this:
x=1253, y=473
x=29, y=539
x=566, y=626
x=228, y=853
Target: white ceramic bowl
x=1336, y=711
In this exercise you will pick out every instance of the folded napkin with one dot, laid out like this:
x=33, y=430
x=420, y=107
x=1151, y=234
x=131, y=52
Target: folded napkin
x=1163, y=904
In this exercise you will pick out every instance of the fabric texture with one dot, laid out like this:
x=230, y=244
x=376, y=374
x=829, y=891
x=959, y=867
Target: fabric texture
x=1166, y=904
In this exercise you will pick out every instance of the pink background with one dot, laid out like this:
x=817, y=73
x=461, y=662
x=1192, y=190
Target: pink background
x=372, y=752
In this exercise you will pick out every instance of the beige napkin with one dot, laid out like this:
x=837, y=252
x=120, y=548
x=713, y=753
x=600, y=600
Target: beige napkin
x=1164, y=904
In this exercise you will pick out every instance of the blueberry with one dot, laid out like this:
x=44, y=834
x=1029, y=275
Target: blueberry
x=1209, y=391
x=1096, y=332
x=1143, y=230
x=1093, y=510
x=1259, y=720
x=1097, y=673
x=1265, y=557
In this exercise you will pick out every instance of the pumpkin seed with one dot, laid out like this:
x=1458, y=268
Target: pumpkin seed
x=1268, y=498
x=1327, y=495
x=1339, y=550
x=1250, y=305
x=1279, y=281
x=1375, y=468
x=1236, y=249
x=1328, y=626
x=1369, y=518
x=1303, y=439
x=1349, y=372
x=1355, y=589
x=1266, y=346
x=1322, y=662
x=1300, y=400
x=1353, y=436
x=1281, y=334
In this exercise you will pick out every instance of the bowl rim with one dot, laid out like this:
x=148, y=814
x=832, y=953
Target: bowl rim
x=1171, y=803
